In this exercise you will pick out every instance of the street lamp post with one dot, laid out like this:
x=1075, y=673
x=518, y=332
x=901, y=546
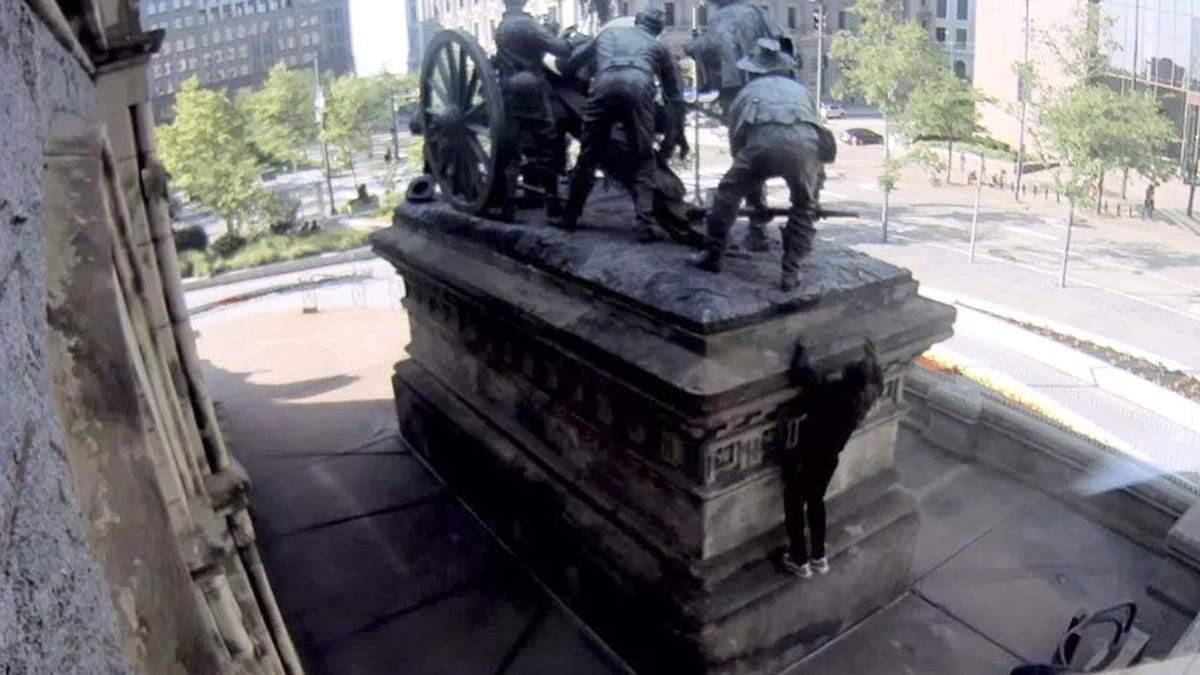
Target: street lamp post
x=1023, y=93
x=395, y=133
x=319, y=113
x=819, y=20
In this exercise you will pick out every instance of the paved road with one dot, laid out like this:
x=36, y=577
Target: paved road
x=1133, y=281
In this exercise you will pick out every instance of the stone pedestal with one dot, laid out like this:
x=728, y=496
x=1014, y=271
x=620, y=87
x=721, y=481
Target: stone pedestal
x=616, y=415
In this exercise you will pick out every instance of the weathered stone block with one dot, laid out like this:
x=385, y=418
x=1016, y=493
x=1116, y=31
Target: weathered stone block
x=618, y=417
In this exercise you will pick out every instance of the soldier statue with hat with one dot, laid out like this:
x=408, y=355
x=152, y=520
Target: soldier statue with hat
x=775, y=131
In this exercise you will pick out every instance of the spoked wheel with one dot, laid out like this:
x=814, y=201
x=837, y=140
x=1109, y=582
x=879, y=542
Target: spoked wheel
x=463, y=114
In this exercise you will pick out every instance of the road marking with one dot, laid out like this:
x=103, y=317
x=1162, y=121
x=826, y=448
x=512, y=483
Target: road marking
x=1026, y=231
x=1145, y=273
x=1190, y=314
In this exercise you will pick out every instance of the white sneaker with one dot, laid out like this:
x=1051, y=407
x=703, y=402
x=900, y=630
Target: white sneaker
x=821, y=565
x=789, y=564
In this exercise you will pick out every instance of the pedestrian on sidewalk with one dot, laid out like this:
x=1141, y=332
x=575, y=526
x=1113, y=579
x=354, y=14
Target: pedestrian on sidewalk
x=833, y=407
x=1148, y=202
x=962, y=165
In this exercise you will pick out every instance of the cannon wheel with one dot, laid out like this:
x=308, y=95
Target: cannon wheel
x=462, y=114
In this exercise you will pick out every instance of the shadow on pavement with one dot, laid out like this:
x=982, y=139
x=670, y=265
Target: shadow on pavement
x=377, y=569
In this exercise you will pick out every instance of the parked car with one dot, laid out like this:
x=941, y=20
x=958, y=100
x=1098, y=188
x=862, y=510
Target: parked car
x=832, y=111
x=859, y=136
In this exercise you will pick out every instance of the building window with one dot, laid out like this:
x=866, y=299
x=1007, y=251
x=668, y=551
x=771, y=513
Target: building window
x=703, y=15
x=791, y=18
x=841, y=20
x=941, y=9
x=960, y=38
x=964, y=10
x=960, y=69
x=940, y=35
x=669, y=11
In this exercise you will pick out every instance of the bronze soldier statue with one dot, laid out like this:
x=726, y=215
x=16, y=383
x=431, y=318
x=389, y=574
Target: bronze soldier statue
x=521, y=43
x=626, y=61
x=774, y=130
x=732, y=32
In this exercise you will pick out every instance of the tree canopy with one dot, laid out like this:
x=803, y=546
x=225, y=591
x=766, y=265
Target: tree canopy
x=1088, y=126
x=208, y=154
x=281, y=114
x=885, y=60
x=943, y=108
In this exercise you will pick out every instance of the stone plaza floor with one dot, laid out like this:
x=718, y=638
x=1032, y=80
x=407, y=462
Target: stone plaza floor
x=378, y=569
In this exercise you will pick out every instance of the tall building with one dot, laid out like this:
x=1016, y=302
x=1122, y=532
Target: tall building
x=480, y=17
x=476, y=17
x=953, y=30
x=1155, y=48
x=233, y=44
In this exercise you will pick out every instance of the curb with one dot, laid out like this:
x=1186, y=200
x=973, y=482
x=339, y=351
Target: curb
x=298, y=265
x=1106, y=377
x=1004, y=384
x=952, y=298
x=272, y=290
x=976, y=423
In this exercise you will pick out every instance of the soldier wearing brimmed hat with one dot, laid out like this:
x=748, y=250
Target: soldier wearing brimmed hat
x=626, y=60
x=773, y=129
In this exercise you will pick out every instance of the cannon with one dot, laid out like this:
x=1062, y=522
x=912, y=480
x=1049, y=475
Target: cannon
x=468, y=145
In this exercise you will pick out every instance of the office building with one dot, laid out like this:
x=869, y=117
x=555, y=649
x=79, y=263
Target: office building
x=1155, y=48
x=233, y=44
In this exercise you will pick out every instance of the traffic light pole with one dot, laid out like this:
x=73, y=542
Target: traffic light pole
x=819, y=13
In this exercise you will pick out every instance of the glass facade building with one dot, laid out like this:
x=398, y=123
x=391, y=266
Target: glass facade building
x=1158, y=51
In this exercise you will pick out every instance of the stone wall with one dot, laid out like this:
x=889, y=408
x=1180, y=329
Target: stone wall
x=103, y=409
x=55, y=612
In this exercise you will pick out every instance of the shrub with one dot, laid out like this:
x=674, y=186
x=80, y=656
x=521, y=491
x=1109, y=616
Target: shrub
x=273, y=248
x=226, y=245
x=194, y=264
x=279, y=213
x=192, y=238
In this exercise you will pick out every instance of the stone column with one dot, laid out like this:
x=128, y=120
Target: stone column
x=618, y=417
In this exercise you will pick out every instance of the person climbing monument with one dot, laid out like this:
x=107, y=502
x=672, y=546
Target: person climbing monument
x=833, y=406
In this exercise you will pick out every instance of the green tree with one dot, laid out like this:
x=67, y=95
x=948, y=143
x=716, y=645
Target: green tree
x=1089, y=127
x=281, y=114
x=943, y=107
x=884, y=62
x=355, y=108
x=207, y=152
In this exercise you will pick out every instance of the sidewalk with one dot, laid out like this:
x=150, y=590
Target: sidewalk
x=379, y=570
x=1103, y=402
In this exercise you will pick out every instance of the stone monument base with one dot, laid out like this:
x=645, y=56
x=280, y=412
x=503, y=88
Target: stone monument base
x=617, y=417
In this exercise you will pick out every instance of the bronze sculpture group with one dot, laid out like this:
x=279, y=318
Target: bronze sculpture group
x=621, y=94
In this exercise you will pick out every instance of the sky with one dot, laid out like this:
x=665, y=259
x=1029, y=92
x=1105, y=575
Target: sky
x=379, y=36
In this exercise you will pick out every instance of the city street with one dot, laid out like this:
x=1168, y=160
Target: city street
x=1135, y=282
